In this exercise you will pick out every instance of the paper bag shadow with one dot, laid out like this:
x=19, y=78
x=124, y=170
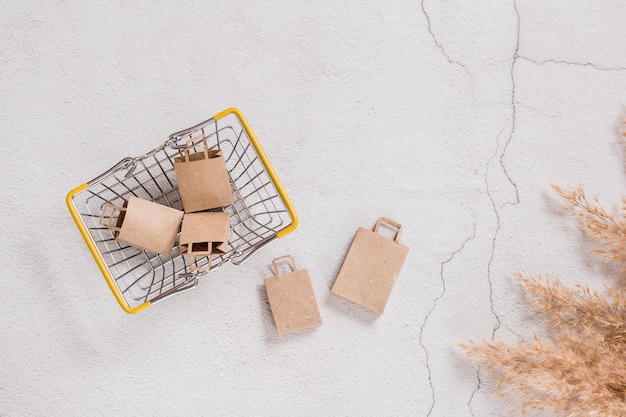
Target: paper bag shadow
x=350, y=309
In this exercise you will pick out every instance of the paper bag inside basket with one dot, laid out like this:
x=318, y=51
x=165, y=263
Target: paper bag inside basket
x=143, y=224
x=292, y=299
x=371, y=267
x=204, y=234
x=203, y=179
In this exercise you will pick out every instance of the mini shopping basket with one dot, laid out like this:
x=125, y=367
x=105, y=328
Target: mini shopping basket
x=261, y=210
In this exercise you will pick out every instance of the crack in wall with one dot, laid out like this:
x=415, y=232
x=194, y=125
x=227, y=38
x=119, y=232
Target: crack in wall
x=494, y=206
x=496, y=209
x=576, y=64
x=434, y=306
x=439, y=46
x=493, y=240
x=498, y=158
x=478, y=384
x=513, y=111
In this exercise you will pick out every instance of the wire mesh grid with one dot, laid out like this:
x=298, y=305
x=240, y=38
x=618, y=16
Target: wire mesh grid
x=257, y=214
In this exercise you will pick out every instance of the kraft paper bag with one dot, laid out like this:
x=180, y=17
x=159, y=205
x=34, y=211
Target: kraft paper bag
x=292, y=299
x=143, y=224
x=203, y=180
x=204, y=234
x=371, y=267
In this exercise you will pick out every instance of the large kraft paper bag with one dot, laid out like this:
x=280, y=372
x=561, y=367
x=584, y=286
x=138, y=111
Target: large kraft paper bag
x=204, y=234
x=371, y=267
x=202, y=178
x=143, y=224
x=292, y=299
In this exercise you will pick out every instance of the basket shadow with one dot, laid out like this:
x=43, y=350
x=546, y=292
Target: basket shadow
x=63, y=311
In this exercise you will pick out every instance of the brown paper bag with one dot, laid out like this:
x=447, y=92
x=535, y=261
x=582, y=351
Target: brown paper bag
x=202, y=177
x=143, y=224
x=204, y=234
x=371, y=267
x=292, y=299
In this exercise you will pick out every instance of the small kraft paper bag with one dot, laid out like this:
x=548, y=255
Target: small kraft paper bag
x=371, y=267
x=292, y=299
x=143, y=224
x=204, y=234
x=203, y=179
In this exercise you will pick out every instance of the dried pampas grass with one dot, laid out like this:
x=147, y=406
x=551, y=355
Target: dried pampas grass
x=609, y=230
x=580, y=369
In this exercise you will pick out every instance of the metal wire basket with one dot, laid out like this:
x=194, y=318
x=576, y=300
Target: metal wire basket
x=261, y=210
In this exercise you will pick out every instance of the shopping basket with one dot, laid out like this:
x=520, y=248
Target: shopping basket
x=261, y=210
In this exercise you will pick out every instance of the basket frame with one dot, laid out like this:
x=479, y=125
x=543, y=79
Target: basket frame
x=273, y=227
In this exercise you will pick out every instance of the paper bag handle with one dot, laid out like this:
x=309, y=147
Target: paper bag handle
x=191, y=141
x=293, y=263
x=391, y=222
x=192, y=258
x=108, y=223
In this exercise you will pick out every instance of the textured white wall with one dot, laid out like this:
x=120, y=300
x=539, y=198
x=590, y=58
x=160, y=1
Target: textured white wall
x=450, y=117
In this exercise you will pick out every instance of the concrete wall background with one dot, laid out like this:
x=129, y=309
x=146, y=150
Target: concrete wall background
x=451, y=118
